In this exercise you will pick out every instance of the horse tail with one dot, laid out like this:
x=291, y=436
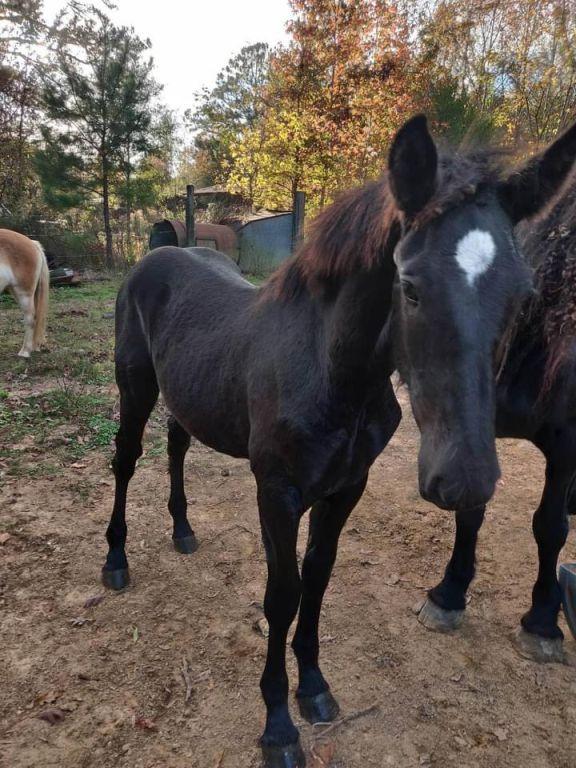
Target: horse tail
x=41, y=298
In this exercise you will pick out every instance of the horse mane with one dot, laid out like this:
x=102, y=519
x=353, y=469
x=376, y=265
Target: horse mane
x=549, y=245
x=353, y=233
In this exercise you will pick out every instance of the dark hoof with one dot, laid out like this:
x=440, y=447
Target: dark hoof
x=186, y=545
x=322, y=708
x=116, y=580
x=291, y=756
x=439, y=619
x=567, y=579
x=544, y=650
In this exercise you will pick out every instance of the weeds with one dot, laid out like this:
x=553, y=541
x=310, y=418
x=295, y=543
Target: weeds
x=60, y=403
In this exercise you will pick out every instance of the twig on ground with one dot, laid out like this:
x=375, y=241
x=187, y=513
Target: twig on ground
x=345, y=720
x=185, y=671
x=228, y=530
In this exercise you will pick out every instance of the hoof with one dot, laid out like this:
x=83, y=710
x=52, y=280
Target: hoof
x=291, y=756
x=186, y=545
x=439, y=619
x=322, y=708
x=567, y=579
x=117, y=579
x=544, y=650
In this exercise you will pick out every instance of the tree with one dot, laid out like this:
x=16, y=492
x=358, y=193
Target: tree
x=135, y=135
x=99, y=106
x=512, y=62
x=333, y=100
x=234, y=104
x=20, y=28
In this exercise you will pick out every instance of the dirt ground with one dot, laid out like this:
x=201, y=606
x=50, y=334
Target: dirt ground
x=111, y=675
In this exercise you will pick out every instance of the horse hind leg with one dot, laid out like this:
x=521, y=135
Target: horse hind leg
x=178, y=443
x=138, y=394
x=26, y=302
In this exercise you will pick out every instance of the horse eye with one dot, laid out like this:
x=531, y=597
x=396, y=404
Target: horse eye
x=410, y=293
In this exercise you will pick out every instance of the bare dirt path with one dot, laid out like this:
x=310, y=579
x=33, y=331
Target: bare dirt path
x=111, y=675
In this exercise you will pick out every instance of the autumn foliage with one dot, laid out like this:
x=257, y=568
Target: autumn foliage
x=334, y=96
x=354, y=69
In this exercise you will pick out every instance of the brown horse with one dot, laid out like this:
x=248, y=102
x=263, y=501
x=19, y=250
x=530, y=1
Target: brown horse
x=24, y=271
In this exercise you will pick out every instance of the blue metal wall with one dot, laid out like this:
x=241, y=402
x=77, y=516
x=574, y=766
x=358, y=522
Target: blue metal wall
x=265, y=243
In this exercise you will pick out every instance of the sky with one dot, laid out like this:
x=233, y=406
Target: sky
x=192, y=40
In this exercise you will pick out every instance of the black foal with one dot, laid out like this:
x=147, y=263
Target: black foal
x=295, y=376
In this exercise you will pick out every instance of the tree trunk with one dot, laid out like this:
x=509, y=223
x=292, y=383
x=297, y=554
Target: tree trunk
x=106, y=212
x=129, y=207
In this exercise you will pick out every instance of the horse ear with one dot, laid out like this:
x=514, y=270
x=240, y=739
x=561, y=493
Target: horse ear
x=412, y=165
x=528, y=190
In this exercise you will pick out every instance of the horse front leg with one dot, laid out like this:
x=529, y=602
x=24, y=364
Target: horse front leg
x=327, y=519
x=138, y=394
x=541, y=637
x=280, y=509
x=443, y=611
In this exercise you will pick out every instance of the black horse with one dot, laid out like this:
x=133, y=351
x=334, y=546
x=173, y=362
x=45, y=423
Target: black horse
x=295, y=376
x=536, y=401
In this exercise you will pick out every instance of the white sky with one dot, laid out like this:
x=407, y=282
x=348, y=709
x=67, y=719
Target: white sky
x=193, y=39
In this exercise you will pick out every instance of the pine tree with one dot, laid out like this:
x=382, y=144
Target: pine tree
x=99, y=106
x=234, y=105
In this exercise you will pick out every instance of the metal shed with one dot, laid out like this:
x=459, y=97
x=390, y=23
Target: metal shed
x=265, y=242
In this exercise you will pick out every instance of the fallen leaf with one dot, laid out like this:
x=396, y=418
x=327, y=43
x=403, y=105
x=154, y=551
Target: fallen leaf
x=322, y=754
x=92, y=601
x=145, y=724
x=4, y=538
x=78, y=465
x=135, y=634
x=52, y=716
x=501, y=734
x=47, y=698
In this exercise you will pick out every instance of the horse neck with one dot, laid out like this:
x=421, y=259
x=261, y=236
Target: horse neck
x=355, y=320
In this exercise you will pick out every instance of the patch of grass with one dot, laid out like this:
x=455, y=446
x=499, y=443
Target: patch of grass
x=33, y=425
x=59, y=404
x=256, y=279
x=99, y=291
x=102, y=430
